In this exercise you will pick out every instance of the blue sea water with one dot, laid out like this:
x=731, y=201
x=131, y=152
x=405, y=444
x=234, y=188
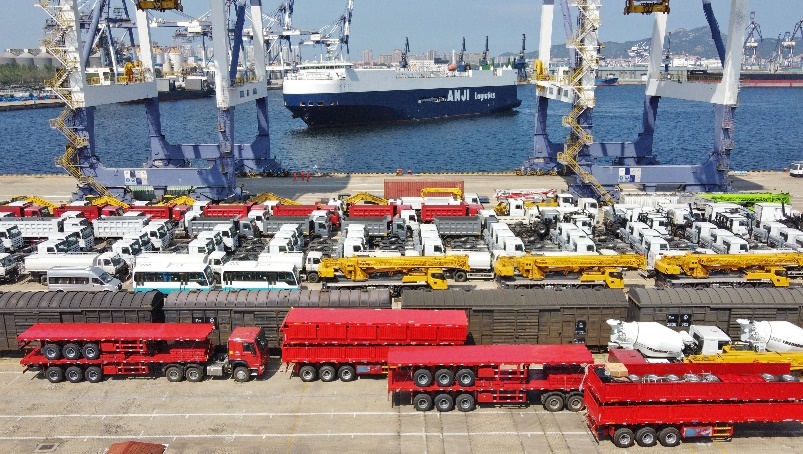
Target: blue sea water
x=768, y=134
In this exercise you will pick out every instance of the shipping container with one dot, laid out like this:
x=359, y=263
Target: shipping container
x=537, y=316
x=21, y=310
x=396, y=189
x=265, y=309
x=679, y=308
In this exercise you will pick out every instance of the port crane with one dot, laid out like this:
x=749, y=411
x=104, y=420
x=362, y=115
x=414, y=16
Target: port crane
x=335, y=35
x=484, y=59
x=403, y=63
x=591, y=269
x=751, y=56
x=206, y=171
x=789, y=43
x=633, y=162
x=521, y=62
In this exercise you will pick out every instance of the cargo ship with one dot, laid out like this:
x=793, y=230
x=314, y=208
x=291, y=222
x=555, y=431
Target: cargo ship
x=335, y=93
x=753, y=78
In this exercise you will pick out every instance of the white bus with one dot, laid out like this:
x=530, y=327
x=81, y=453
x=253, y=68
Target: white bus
x=172, y=277
x=252, y=275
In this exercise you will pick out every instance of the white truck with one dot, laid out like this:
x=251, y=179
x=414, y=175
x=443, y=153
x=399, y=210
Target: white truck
x=9, y=268
x=37, y=264
x=118, y=226
x=86, y=238
x=714, y=237
x=215, y=259
x=768, y=230
x=129, y=249
x=201, y=246
x=730, y=245
x=789, y=238
x=215, y=237
x=306, y=263
x=480, y=262
x=699, y=230
x=58, y=246
x=33, y=228
x=582, y=244
x=11, y=238
x=143, y=239
x=158, y=234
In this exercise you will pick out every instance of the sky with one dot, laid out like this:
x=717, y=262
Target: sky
x=382, y=25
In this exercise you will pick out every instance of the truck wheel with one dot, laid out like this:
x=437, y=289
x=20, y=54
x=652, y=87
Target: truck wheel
x=444, y=402
x=346, y=373
x=241, y=374
x=444, y=377
x=422, y=378
x=308, y=373
x=460, y=276
x=623, y=438
x=174, y=374
x=194, y=374
x=465, y=402
x=54, y=374
x=575, y=402
x=51, y=351
x=465, y=377
x=313, y=277
x=553, y=402
x=327, y=373
x=422, y=402
x=646, y=437
x=74, y=374
x=91, y=351
x=71, y=351
x=669, y=437
x=93, y=374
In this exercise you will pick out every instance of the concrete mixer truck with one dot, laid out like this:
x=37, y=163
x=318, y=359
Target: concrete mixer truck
x=760, y=341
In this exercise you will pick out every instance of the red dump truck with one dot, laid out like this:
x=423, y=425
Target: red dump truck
x=90, y=212
x=167, y=212
x=344, y=343
x=636, y=402
x=462, y=376
x=91, y=351
x=25, y=209
x=372, y=211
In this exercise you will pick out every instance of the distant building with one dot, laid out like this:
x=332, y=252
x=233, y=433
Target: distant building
x=368, y=56
x=395, y=56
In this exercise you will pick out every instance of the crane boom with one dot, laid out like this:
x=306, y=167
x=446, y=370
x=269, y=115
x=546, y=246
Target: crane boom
x=265, y=196
x=360, y=268
x=700, y=265
x=457, y=192
x=536, y=267
x=365, y=197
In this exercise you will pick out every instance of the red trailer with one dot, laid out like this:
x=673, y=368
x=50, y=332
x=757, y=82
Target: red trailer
x=227, y=210
x=462, y=376
x=332, y=343
x=27, y=210
x=664, y=403
x=428, y=212
x=293, y=210
x=371, y=211
x=78, y=351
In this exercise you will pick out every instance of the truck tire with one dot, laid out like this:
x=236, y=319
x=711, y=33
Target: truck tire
x=74, y=374
x=313, y=277
x=646, y=437
x=422, y=378
x=71, y=351
x=553, y=402
x=51, y=351
x=460, y=276
x=465, y=402
x=669, y=437
x=308, y=373
x=241, y=374
x=422, y=402
x=174, y=374
x=347, y=373
x=91, y=351
x=93, y=374
x=575, y=402
x=194, y=373
x=54, y=374
x=623, y=438
x=444, y=402
x=444, y=377
x=465, y=377
x=327, y=373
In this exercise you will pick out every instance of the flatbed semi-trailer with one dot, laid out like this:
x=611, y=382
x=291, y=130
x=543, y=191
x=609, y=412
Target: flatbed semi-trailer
x=649, y=403
x=91, y=351
x=461, y=376
x=344, y=343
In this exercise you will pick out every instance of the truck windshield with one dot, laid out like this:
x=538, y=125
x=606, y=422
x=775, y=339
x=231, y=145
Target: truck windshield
x=135, y=248
x=105, y=278
x=261, y=342
x=7, y=261
x=86, y=233
x=62, y=247
x=117, y=261
x=14, y=232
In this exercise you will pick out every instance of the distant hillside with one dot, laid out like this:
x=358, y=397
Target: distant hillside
x=695, y=42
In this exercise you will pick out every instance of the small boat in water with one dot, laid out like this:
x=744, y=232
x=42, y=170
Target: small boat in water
x=606, y=82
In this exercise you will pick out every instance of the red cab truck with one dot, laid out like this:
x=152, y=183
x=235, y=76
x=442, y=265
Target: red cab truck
x=90, y=212
x=344, y=343
x=649, y=403
x=91, y=351
x=462, y=376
